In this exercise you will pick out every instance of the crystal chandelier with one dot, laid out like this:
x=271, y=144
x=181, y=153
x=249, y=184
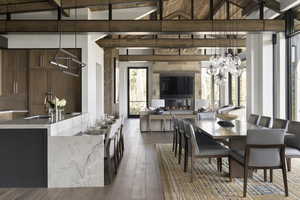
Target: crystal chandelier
x=221, y=65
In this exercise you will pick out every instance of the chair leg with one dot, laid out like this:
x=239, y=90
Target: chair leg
x=179, y=151
x=245, y=180
x=192, y=167
x=209, y=160
x=265, y=175
x=271, y=175
x=284, y=174
x=186, y=157
x=173, y=146
x=289, y=164
x=219, y=164
x=176, y=144
x=229, y=163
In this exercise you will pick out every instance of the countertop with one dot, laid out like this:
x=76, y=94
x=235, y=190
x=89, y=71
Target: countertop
x=40, y=122
x=13, y=111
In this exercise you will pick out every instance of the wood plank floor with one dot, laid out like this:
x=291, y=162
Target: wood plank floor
x=138, y=176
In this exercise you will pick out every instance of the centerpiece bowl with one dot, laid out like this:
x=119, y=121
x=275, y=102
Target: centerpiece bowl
x=227, y=117
x=226, y=120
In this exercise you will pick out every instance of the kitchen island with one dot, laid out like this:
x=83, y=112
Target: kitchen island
x=38, y=152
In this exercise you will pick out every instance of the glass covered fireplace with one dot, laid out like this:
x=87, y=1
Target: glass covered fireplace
x=177, y=90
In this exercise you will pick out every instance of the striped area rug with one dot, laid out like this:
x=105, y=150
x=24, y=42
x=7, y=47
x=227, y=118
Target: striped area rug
x=211, y=185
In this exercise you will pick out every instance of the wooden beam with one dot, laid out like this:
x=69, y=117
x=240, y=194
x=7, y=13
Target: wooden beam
x=272, y=4
x=124, y=6
x=163, y=58
x=66, y=4
x=254, y=5
x=251, y=7
x=57, y=3
x=170, y=43
x=142, y=26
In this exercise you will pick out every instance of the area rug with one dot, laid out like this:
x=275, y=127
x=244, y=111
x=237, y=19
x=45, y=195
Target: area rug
x=211, y=185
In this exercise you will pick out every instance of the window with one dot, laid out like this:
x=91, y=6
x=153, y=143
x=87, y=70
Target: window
x=234, y=90
x=295, y=78
x=137, y=90
x=243, y=89
x=239, y=89
x=205, y=85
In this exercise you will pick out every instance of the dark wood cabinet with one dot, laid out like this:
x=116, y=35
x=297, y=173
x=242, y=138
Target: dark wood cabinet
x=14, y=79
x=50, y=78
x=27, y=75
x=14, y=72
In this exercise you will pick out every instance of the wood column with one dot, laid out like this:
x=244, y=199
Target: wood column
x=111, y=55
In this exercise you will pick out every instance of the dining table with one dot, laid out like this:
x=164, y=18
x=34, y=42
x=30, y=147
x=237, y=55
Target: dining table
x=233, y=137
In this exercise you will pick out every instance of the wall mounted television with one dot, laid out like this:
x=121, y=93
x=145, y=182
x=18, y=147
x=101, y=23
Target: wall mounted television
x=176, y=86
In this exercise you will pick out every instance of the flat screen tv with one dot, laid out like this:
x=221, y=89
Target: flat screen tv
x=176, y=86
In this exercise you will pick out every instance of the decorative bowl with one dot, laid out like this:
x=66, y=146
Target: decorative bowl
x=227, y=117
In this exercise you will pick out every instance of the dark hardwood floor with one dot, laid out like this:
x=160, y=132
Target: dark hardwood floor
x=138, y=176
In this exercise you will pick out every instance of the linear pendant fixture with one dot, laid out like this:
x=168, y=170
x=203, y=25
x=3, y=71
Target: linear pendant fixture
x=59, y=65
x=67, y=56
x=71, y=73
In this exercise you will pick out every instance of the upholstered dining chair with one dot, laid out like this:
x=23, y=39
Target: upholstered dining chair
x=280, y=123
x=253, y=119
x=264, y=121
x=195, y=149
x=292, y=141
x=175, y=134
x=180, y=138
x=110, y=156
x=264, y=150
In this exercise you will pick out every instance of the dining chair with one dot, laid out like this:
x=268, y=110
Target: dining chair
x=175, y=134
x=279, y=123
x=110, y=157
x=253, y=119
x=264, y=121
x=196, y=149
x=264, y=150
x=121, y=143
x=181, y=138
x=292, y=141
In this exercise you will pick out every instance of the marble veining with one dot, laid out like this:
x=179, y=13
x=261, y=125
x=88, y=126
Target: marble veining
x=75, y=161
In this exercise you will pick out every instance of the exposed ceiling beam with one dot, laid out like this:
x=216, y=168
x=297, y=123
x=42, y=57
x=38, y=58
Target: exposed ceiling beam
x=142, y=26
x=124, y=6
x=163, y=58
x=273, y=5
x=254, y=5
x=66, y=4
x=57, y=3
x=170, y=43
x=251, y=7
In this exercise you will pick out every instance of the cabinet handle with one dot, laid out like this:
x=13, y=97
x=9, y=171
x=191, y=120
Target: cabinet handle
x=14, y=87
x=17, y=88
x=41, y=61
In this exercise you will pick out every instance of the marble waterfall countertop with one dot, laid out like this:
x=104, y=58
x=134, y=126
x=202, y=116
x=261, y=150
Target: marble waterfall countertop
x=71, y=125
x=73, y=159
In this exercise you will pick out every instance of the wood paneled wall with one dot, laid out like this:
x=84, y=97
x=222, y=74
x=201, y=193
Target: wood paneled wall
x=27, y=75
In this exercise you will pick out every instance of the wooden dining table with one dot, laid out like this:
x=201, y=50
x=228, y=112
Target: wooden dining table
x=233, y=137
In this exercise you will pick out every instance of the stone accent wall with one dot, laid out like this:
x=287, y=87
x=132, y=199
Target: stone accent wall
x=175, y=67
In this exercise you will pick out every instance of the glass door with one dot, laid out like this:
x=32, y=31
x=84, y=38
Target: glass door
x=137, y=90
